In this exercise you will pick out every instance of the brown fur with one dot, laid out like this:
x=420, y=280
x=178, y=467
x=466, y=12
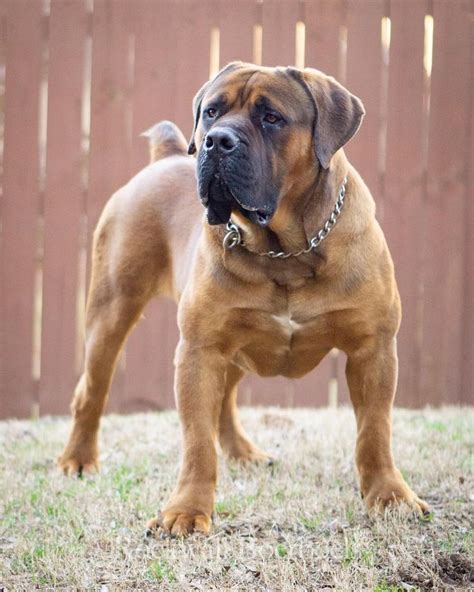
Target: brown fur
x=239, y=312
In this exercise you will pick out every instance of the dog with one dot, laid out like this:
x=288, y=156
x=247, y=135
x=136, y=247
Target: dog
x=274, y=259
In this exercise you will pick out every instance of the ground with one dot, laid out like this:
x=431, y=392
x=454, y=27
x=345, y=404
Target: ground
x=298, y=524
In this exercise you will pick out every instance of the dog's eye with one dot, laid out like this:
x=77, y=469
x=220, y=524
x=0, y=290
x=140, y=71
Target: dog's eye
x=211, y=112
x=271, y=118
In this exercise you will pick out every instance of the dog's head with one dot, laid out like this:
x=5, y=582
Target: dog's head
x=257, y=130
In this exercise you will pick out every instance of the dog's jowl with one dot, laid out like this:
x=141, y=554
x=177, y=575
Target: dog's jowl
x=266, y=237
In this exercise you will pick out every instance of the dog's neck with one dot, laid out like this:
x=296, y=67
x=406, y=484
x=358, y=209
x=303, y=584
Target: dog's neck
x=303, y=209
x=307, y=207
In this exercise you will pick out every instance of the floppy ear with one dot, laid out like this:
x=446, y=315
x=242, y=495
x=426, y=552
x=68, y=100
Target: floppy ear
x=338, y=112
x=197, y=114
x=197, y=101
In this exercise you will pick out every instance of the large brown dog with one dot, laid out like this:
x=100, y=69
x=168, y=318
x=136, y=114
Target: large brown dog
x=269, y=157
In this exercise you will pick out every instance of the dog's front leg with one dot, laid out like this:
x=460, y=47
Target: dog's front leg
x=200, y=387
x=371, y=371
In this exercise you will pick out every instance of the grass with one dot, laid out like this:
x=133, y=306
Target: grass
x=298, y=524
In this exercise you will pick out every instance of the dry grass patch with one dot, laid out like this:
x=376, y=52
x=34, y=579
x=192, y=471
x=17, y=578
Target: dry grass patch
x=296, y=525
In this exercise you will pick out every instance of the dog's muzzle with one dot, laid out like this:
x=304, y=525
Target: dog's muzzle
x=225, y=178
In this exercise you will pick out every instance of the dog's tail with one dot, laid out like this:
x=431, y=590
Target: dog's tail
x=165, y=139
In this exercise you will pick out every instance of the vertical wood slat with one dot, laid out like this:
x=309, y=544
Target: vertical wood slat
x=3, y=57
x=110, y=150
x=467, y=392
x=404, y=180
x=443, y=212
x=62, y=204
x=236, y=41
x=155, y=77
x=323, y=20
x=364, y=79
x=20, y=205
x=110, y=137
x=194, y=22
x=148, y=380
x=279, y=18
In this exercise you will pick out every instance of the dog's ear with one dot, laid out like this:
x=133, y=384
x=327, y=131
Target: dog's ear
x=197, y=114
x=197, y=101
x=338, y=112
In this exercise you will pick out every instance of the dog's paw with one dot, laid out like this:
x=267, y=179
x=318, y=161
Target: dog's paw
x=242, y=450
x=78, y=464
x=180, y=522
x=391, y=490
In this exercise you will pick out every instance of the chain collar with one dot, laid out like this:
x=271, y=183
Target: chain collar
x=233, y=236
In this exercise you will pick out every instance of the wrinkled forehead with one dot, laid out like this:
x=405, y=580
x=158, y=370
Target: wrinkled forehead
x=273, y=87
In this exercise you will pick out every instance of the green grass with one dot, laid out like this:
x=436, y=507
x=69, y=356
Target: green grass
x=161, y=572
x=299, y=524
x=384, y=587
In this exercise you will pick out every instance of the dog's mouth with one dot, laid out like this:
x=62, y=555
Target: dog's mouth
x=220, y=201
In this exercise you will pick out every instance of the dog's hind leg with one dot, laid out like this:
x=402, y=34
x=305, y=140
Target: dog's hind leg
x=119, y=290
x=107, y=326
x=234, y=442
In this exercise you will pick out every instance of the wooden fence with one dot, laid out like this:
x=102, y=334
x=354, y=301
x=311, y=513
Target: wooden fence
x=83, y=78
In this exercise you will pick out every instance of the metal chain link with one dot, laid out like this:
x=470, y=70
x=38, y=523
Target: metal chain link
x=233, y=237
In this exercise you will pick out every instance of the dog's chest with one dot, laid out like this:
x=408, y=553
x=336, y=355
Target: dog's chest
x=286, y=325
x=279, y=344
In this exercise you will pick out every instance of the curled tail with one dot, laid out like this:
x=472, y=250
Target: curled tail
x=165, y=139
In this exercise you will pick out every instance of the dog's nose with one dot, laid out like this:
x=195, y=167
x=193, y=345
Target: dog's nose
x=222, y=140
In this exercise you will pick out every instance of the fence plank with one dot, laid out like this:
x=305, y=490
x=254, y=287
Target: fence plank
x=20, y=205
x=148, y=380
x=110, y=110
x=279, y=32
x=467, y=393
x=63, y=204
x=364, y=78
x=3, y=57
x=323, y=20
x=236, y=42
x=404, y=180
x=443, y=214
x=155, y=76
x=195, y=20
x=110, y=139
